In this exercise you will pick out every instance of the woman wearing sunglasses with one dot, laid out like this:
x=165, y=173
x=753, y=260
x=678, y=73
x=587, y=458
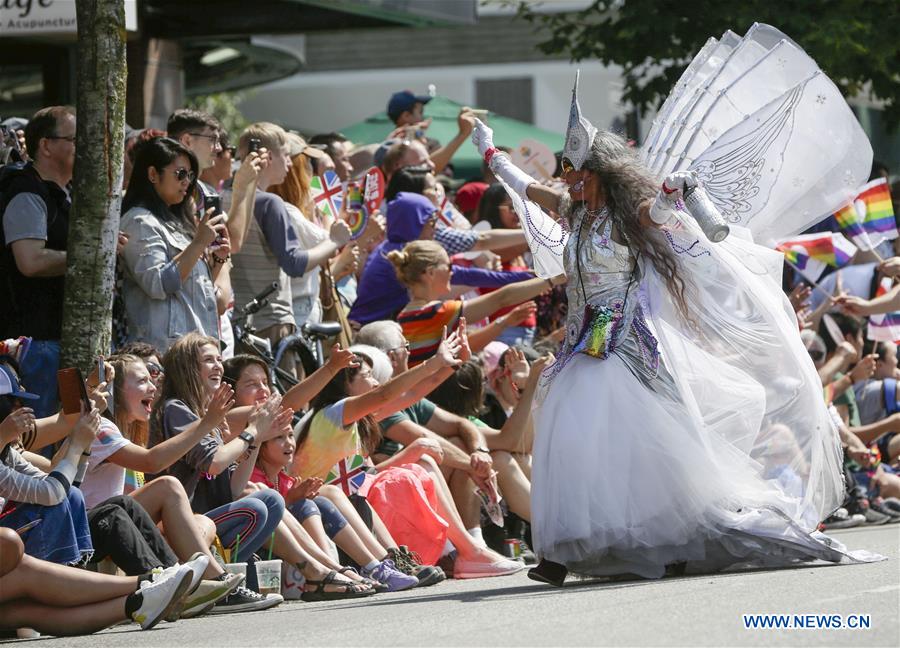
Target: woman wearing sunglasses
x=681, y=369
x=170, y=261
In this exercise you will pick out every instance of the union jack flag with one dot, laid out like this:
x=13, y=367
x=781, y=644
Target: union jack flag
x=328, y=193
x=349, y=474
x=446, y=213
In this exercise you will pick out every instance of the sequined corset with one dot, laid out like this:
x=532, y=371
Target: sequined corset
x=604, y=296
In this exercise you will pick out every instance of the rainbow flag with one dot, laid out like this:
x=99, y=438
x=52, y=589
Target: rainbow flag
x=875, y=200
x=811, y=253
x=851, y=224
x=884, y=327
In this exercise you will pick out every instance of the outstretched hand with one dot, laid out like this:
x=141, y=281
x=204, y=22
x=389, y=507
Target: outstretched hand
x=219, y=405
x=341, y=359
x=447, y=354
x=482, y=137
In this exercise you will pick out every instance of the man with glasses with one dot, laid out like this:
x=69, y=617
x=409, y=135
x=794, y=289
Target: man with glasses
x=35, y=203
x=219, y=173
x=197, y=131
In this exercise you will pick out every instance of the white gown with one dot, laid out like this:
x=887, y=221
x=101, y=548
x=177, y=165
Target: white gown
x=710, y=447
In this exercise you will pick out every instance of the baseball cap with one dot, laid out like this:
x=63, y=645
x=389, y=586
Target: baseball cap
x=297, y=145
x=403, y=101
x=381, y=151
x=10, y=386
x=491, y=355
x=381, y=364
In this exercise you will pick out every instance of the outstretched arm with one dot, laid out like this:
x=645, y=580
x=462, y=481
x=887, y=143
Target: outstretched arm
x=376, y=400
x=517, y=180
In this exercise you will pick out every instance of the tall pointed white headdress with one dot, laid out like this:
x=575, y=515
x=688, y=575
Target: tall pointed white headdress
x=579, y=134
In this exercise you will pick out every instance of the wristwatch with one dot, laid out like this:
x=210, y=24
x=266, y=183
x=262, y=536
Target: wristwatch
x=249, y=438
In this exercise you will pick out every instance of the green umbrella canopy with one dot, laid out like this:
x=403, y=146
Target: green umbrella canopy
x=443, y=113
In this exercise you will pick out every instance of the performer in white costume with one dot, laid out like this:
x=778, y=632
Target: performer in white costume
x=683, y=424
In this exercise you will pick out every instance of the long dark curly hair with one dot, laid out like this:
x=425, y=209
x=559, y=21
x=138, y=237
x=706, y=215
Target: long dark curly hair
x=629, y=188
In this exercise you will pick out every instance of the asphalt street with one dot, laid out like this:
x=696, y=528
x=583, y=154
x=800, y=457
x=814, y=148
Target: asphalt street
x=514, y=611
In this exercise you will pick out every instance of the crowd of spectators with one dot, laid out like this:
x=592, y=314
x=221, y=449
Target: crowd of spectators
x=397, y=458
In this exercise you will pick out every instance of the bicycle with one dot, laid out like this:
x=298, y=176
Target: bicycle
x=307, y=343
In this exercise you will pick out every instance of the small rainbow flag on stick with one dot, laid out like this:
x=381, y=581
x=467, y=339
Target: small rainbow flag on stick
x=875, y=199
x=851, y=224
x=812, y=253
x=884, y=327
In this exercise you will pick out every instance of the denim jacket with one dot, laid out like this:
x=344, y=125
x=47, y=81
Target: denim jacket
x=159, y=307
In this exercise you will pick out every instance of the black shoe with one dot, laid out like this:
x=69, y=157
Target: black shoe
x=429, y=575
x=446, y=563
x=879, y=507
x=676, y=569
x=246, y=600
x=549, y=572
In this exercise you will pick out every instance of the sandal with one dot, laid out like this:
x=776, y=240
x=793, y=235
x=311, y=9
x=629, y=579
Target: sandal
x=378, y=586
x=350, y=590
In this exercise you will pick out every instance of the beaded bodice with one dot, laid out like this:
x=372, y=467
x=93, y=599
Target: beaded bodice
x=605, y=271
x=605, y=314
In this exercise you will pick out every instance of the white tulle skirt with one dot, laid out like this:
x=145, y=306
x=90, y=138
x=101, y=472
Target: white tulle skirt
x=623, y=482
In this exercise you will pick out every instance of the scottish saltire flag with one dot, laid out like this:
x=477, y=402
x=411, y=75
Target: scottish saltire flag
x=328, y=193
x=885, y=327
x=349, y=474
x=875, y=200
x=811, y=253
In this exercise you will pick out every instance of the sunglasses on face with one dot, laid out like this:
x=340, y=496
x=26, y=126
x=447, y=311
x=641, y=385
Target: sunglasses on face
x=228, y=149
x=405, y=347
x=181, y=174
x=154, y=370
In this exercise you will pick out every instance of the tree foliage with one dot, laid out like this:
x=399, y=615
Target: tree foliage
x=224, y=107
x=853, y=41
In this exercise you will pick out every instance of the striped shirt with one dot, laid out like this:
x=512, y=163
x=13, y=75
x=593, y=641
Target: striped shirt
x=423, y=327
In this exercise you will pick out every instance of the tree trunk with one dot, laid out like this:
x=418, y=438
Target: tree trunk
x=97, y=183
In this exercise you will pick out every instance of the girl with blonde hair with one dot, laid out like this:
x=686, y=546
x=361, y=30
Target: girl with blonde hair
x=424, y=268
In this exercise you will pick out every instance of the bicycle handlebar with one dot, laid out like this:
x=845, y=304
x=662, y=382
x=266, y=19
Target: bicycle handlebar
x=260, y=299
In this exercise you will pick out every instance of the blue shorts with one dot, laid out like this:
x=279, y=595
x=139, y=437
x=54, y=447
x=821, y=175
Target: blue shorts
x=63, y=535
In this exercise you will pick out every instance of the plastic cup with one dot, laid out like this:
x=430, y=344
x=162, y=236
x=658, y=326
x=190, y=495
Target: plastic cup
x=268, y=574
x=237, y=568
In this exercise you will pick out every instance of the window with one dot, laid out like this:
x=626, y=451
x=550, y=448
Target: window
x=508, y=97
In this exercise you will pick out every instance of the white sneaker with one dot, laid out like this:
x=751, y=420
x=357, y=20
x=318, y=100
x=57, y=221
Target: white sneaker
x=162, y=595
x=477, y=569
x=197, y=564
